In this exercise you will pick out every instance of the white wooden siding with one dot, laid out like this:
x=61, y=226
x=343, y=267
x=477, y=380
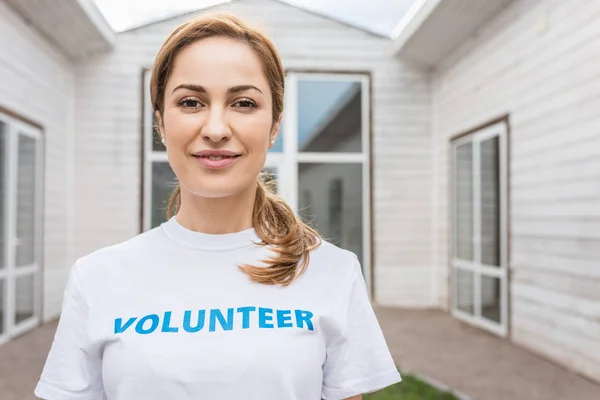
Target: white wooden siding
x=108, y=138
x=37, y=82
x=538, y=62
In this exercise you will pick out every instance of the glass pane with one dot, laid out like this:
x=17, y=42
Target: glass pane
x=330, y=199
x=26, y=197
x=156, y=141
x=2, y=303
x=269, y=174
x=24, y=298
x=3, y=149
x=464, y=202
x=464, y=291
x=163, y=184
x=490, y=202
x=490, y=298
x=329, y=116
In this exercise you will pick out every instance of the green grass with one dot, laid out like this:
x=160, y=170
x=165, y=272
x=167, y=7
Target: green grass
x=411, y=388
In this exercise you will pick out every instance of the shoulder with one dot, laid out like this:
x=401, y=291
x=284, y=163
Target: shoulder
x=329, y=253
x=103, y=260
x=335, y=264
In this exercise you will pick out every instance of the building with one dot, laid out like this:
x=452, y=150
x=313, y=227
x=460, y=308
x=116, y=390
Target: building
x=440, y=156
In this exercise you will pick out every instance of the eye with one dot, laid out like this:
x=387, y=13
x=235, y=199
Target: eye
x=245, y=103
x=190, y=103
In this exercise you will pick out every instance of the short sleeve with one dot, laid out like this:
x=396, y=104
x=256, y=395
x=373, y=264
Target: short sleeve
x=359, y=361
x=71, y=371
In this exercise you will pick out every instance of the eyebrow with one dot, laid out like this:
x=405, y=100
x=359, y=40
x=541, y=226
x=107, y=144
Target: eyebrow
x=201, y=89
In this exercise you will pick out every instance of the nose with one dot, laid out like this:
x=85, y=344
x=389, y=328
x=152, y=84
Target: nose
x=216, y=127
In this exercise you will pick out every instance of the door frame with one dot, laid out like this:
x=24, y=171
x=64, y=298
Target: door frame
x=476, y=267
x=10, y=273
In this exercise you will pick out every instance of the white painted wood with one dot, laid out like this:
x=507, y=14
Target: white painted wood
x=558, y=281
x=38, y=83
x=433, y=28
x=108, y=168
x=523, y=63
x=76, y=27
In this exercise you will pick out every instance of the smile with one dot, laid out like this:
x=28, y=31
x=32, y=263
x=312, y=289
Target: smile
x=216, y=161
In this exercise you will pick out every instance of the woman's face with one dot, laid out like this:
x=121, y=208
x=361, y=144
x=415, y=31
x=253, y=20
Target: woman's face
x=217, y=121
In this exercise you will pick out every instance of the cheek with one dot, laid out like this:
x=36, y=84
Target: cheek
x=255, y=134
x=179, y=126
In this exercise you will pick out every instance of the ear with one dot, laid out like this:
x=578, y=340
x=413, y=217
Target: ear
x=275, y=131
x=161, y=127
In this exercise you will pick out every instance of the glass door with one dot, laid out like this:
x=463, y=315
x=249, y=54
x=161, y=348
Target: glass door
x=21, y=195
x=479, y=228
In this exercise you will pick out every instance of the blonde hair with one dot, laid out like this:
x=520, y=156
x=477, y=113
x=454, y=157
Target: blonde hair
x=274, y=221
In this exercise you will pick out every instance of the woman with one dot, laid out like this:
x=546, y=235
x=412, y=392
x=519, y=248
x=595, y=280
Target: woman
x=233, y=297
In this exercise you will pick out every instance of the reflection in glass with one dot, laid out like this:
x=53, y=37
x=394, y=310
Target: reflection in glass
x=490, y=298
x=330, y=199
x=24, y=298
x=2, y=305
x=26, y=196
x=329, y=116
x=464, y=202
x=490, y=202
x=464, y=291
x=163, y=184
x=3, y=188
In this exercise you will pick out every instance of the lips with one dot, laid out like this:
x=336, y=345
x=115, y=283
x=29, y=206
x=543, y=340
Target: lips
x=216, y=159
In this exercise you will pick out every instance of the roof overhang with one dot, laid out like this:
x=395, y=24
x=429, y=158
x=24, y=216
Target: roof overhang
x=76, y=27
x=432, y=29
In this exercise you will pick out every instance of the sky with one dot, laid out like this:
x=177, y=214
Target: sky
x=380, y=16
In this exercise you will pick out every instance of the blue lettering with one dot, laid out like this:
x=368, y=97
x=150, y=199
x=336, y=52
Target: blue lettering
x=215, y=314
x=282, y=317
x=167, y=322
x=187, y=324
x=304, y=316
x=264, y=320
x=120, y=328
x=268, y=318
x=246, y=315
x=139, y=328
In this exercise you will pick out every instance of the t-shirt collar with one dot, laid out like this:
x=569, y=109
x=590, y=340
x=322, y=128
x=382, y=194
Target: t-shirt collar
x=205, y=241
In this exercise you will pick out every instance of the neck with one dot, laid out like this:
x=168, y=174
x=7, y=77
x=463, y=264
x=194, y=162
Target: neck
x=220, y=215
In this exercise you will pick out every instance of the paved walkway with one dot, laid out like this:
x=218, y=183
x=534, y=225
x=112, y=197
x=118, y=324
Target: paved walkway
x=476, y=363
x=429, y=343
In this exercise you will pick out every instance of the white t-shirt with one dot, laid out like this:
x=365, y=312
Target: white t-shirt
x=168, y=315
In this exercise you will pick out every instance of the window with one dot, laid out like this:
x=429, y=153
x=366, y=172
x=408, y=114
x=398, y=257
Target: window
x=479, y=229
x=20, y=225
x=158, y=177
x=326, y=153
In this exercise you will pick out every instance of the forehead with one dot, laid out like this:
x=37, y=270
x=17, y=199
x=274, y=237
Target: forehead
x=217, y=62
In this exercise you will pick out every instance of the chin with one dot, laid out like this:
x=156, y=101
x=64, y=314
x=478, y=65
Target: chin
x=217, y=189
